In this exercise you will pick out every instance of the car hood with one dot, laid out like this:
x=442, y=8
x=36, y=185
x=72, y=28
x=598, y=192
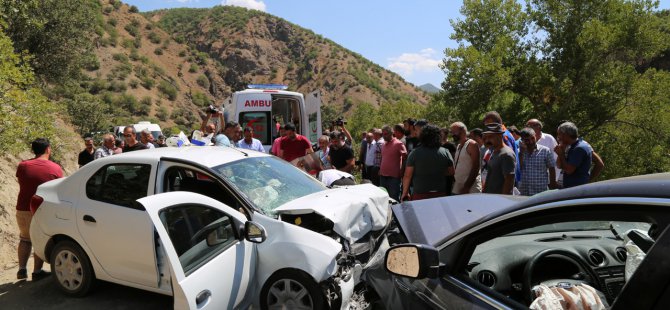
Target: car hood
x=354, y=210
x=431, y=221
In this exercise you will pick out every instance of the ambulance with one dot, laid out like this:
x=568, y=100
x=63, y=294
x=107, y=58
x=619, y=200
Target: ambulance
x=267, y=107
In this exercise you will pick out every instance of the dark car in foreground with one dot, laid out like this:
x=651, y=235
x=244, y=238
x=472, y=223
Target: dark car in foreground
x=489, y=251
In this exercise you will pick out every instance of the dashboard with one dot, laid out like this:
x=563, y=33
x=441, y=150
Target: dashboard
x=499, y=263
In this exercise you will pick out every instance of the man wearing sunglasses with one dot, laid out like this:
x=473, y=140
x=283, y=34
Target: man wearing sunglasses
x=130, y=137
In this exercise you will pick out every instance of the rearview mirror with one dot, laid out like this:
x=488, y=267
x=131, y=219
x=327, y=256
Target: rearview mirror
x=415, y=261
x=254, y=232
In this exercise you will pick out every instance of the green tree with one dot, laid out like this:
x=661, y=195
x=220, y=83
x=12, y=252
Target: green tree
x=57, y=33
x=561, y=59
x=87, y=112
x=25, y=114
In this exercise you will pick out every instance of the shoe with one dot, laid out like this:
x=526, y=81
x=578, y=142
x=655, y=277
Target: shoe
x=22, y=274
x=40, y=275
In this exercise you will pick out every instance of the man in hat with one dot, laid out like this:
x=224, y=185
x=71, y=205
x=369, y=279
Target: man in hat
x=502, y=164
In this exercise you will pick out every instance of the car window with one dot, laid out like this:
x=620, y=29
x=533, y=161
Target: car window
x=183, y=179
x=198, y=233
x=268, y=182
x=581, y=253
x=119, y=184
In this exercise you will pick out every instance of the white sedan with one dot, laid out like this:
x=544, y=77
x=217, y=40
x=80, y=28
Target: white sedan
x=214, y=227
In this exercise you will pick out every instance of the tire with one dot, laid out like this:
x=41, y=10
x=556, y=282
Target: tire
x=71, y=269
x=275, y=293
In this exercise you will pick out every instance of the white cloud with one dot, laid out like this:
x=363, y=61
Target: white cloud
x=187, y=1
x=249, y=4
x=408, y=63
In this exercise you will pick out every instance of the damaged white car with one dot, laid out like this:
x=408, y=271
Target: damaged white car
x=214, y=227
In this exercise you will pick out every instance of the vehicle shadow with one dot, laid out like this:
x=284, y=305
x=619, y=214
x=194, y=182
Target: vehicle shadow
x=45, y=294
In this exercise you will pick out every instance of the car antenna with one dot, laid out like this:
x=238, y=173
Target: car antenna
x=245, y=154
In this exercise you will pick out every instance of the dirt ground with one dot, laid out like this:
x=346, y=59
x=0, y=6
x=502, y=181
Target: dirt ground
x=44, y=294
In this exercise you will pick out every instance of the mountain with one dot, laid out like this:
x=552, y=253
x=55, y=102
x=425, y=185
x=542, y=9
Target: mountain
x=250, y=46
x=430, y=88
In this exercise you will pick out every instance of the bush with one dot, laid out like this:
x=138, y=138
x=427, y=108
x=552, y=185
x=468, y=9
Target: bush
x=162, y=114
x=133, y=83
x=147, y=82
x=96, y=86
x=149, y=26
x=127, y=102
x=158, y=51
x=200, y=99
x=117, y=86
x=134, y=55
x=133, y=9
x=154, y=37
x=117, y=5
x=182, y=53
x=203, y=81
x=132, y=30
x=120, y=57
x=122, y=70
x=169, y=90
x=193, y=68
x=108, y=9
x=92, y=63
x=112, y=22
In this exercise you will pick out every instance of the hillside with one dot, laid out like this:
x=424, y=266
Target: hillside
x=255, y=47
x=430, y=88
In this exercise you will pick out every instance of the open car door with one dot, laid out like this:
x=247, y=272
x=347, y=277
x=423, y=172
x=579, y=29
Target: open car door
x=211, y=264
x=313, y=107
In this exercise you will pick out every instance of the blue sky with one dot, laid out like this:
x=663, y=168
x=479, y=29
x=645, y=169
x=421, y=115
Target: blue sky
x=408, y=37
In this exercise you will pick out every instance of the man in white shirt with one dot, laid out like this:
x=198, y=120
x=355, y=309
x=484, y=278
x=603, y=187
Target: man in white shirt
x=249, y=142
x=544, y=139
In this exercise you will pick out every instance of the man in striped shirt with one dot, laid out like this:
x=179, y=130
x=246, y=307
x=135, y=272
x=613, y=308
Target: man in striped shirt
x=537, y=165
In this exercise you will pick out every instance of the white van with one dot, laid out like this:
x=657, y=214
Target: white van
x=154, y=128
x=265, y=107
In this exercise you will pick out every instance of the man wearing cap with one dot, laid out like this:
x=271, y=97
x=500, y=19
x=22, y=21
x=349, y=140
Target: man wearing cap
x=537, y=165
x=293, y=145
x=508, y=138
x=502, y=164
x=249, y=142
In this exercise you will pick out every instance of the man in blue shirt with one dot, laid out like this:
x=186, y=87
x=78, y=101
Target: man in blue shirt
x=574, y=156
x=249, y=142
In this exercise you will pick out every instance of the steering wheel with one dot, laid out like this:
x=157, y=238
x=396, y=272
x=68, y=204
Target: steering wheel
x=528, y=271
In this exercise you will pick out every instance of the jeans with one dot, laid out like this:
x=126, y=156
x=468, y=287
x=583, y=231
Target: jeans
x=373, y=174
x=392, y=186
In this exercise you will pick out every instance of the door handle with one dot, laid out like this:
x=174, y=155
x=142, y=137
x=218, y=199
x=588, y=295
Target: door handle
x=202, y=298
x=88, y=218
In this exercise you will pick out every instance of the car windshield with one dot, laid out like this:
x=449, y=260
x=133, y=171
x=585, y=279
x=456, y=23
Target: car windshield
x=268, y=182
x=579, y=226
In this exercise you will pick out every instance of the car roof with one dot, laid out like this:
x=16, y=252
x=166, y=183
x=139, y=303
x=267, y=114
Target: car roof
x=645, y=186
x=209, y=156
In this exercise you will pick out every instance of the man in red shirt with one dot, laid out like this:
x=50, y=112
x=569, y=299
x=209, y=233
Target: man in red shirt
x=394, y=154
x=293, y=145
x=31, y=174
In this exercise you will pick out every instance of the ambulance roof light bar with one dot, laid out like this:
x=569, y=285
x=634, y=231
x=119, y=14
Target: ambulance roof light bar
x=268, y=86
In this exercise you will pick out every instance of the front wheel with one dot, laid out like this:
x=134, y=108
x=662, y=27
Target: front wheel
x=291, y=290
x=72, y=269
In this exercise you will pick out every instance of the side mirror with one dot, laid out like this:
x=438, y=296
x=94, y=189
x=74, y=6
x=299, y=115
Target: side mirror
x=415, y=261
x=254, y=232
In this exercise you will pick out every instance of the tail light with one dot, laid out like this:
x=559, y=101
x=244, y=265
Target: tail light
x=35, y=203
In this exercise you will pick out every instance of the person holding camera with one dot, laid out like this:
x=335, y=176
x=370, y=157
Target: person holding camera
x=210, y=130
x=341, y=156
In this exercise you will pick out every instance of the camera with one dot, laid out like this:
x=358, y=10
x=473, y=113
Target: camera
x=211, y=109
x=339, y=121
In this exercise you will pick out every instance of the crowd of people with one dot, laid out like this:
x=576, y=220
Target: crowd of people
x=419, y=160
